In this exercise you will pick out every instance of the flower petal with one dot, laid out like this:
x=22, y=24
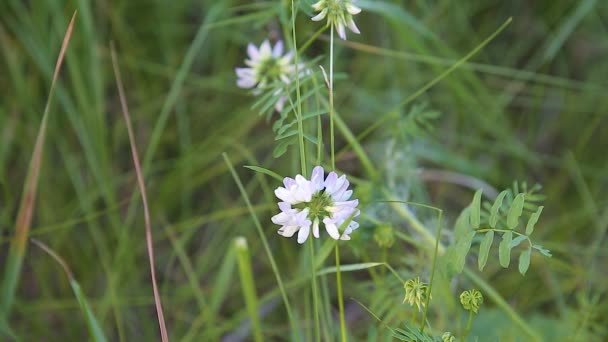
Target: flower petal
x=320, y=16
x=317, y=179
x=315, y=228
x=351, y=25
x=341, y=31
x=352, y=9
x=265, y=50
x=253, y=52
x=277, y=51
x=303, y=234
x=331, y=228
x=288, y=231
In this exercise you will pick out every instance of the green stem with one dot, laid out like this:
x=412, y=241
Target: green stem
x=315, y=293
x=340, y=298
x=298, y=100
x=248, y=286
x=331, y=97
x=435, y=253
x=468, y=328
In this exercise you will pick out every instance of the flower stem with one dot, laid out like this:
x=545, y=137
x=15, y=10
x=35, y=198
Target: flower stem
x=340, y=298
x=435, y=253
x=468, y=328
x=331, y=97
x=298, y=99
x=315, y=293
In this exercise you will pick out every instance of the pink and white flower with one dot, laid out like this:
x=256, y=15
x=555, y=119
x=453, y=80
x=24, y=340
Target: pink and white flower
x=339, y=13
x=308, y=203
x=267, y=65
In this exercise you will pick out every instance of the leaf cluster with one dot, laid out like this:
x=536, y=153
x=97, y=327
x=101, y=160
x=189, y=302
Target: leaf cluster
x=413, y=334
x=512, y=216
x=285, y=127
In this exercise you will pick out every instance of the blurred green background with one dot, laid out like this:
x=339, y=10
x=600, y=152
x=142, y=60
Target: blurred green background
x=531, y=106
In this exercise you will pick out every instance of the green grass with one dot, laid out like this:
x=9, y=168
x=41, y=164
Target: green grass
x=527, y=106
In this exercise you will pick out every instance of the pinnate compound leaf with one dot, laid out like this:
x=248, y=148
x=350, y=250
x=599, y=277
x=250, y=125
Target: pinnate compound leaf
x=475, y=209
x=532, y=221
x=504, y=252
x=515, y=242
x=495, y=211
x=524, y=261
x=515, y=211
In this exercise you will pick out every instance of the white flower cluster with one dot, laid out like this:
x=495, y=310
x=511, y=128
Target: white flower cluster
x=266, y=66
x=339, y=13
x=307, y=203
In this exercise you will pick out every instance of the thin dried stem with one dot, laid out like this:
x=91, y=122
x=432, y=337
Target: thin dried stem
x=142, y=189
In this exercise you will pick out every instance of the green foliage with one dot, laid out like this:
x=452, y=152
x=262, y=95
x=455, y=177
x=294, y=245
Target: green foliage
x=413, y=334
x=503, y=217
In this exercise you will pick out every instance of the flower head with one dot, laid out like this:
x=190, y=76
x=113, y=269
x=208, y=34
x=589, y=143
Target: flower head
x=447, y=337
x=308, y=203
x=415, y=292
x=266, y=66
x=339, y=13
x=471, y=300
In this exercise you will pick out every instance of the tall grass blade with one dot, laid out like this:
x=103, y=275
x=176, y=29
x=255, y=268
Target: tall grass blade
x=95, y=330
x=144, y=199
x=18, y=243
x=243, y=258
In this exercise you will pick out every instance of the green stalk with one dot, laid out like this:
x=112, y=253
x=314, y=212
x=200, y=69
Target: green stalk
x=298, y=100
x=333, y=167
x=340, y=298
x=468, y=328
x=435, y=253
x=248, y=286
x=315, y=293
x=331, y=97
x=258, y=227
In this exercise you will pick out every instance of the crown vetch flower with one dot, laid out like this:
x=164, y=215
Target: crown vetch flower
x=471, y=300
x=416, y=292
x=266, y=66
x=308, y=203
x=339, y=13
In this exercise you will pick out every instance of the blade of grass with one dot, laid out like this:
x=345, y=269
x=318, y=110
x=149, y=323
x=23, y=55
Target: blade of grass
x=92, y=323
x=142, y=189
x=243, y=258
x=18, y=244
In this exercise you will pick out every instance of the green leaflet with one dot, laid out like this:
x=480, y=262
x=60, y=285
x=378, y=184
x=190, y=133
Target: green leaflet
x=484, y=249
x=515, y=211
x=460, y=251
x=462, y=227
x=494, y=212
x=533, y=219
x=524, y=261
x=475, y=209
x=504, y=252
